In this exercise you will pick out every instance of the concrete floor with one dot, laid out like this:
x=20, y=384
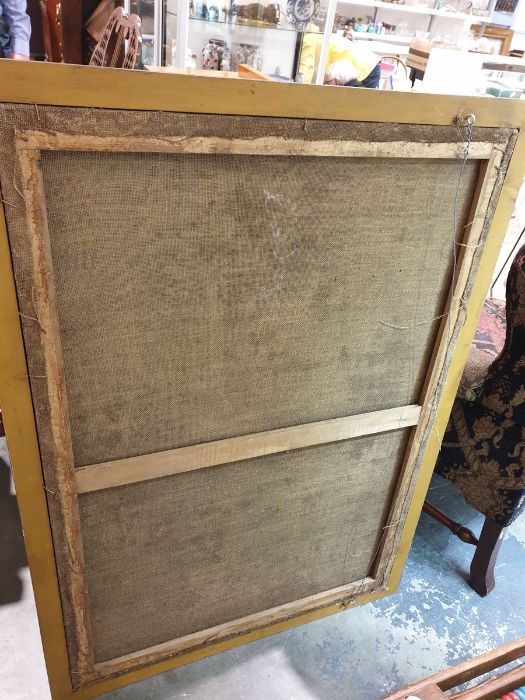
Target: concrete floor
x=433, y=620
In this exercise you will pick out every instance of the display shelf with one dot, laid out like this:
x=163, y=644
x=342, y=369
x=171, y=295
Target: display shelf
x=388, y=38
x=276, y=48
x=280, y=44
x=412, y=9
x=383, y=49
x=235, y=26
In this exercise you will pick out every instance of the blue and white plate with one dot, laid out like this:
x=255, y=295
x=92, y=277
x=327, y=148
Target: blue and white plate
x=300, y=13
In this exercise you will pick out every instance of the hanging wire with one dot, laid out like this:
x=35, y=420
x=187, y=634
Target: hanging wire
x=468, y=122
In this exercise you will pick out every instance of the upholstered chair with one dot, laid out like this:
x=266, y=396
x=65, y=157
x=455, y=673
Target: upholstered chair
x=483, y=450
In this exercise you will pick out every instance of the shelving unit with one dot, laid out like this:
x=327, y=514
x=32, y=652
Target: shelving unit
x=172, y=26
x=414, y=9
x=440, y=19
x=239, y=26
x=389, y=38
x=278, y=44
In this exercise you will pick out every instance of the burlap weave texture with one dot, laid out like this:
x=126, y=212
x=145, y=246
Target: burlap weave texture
x=172, y=556
x=206, y=296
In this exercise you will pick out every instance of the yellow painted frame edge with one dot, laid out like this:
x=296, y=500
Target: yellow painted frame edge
x=107, y=88
x=14, y=386
x=17, y=413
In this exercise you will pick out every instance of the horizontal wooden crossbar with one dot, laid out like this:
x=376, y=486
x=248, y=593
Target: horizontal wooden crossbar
x=265, y=145
x=96, y=477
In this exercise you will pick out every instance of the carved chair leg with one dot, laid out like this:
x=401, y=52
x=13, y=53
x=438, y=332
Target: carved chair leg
x=482, y=566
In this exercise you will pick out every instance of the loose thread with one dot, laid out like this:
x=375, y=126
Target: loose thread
x=441, y=383
x=455, y=243
x=16, y=188
x=472, y=221
x=469, y=246
x=352, y=599
x=33, y=297
x=387, y=527
x=462, y=309
x=9, y=204
x=462, y=302
x=29, y=318
x=414, y=325
x=31, y=376
x=35, y=307
x=33, y=318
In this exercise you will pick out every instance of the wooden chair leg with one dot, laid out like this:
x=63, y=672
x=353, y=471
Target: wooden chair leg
x=484, y=560
x=464, y=534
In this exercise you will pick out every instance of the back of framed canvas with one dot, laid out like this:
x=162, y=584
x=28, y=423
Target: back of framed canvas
x=238, y=332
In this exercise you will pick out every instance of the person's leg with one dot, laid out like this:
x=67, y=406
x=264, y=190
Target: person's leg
x=373, y=78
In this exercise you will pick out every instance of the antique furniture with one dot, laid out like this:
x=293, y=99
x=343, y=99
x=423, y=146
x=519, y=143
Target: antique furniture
x=63, y=31
x=483, y=449
x=119, y=44
x=56, y=29
x=51, y=18
x=501, y=686
x=222, y=420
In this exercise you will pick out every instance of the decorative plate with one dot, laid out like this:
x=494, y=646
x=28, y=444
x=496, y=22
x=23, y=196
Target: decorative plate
x=300, y=13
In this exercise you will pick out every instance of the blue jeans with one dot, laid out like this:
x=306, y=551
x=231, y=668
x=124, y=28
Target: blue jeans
x=5, y=41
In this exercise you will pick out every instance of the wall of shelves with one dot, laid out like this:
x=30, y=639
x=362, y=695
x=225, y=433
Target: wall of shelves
x=175, y=31
x=412, y=20
x=412, y=9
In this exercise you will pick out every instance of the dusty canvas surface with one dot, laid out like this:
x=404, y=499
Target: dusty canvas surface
x=239, y=294
x=206, y=296
x=173, y=556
